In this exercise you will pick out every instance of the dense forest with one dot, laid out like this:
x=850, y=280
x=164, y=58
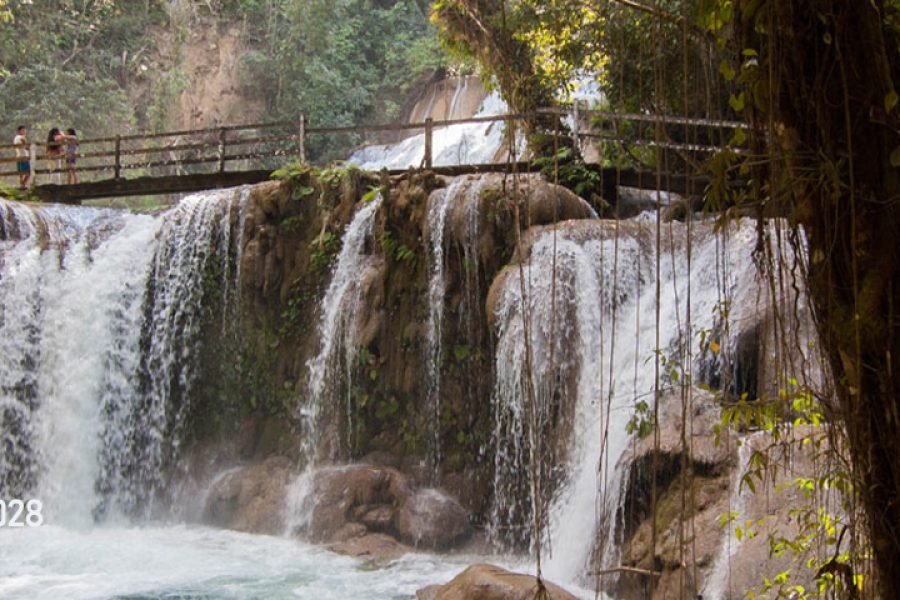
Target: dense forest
x=114, y=66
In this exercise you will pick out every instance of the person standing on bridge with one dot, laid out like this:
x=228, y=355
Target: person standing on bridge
x=23, y=162
x=55, y=151
x=71, y=155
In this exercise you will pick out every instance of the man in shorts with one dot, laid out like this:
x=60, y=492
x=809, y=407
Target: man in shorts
x=23, y=164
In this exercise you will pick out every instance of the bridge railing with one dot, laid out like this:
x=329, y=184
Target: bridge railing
x=268, y=145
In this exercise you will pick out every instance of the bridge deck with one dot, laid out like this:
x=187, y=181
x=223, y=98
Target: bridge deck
x=173, y=184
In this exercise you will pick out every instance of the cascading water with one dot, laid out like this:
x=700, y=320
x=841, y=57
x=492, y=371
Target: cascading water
x=99, y=318
x=103, y=317
x=331, y=371
x=571, y=287
x=180, y=283
x=460, y=144
x=718, y=584
x=457, y=94
x=71, y=292
x=461, y=197
x=589, y=305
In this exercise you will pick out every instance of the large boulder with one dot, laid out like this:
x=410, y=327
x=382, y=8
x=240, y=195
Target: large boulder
x=489, y=582
x=350, y=502
x=341, y=495
x=250, y=498
x=431, y=519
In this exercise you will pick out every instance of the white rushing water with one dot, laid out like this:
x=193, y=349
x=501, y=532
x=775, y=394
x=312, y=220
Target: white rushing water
x=462, y=199
x=338, y=328
x=100, y=320
x=88, y=299
x=73, y=296
x=459, y=144
x=591, y=304
x=54, y=563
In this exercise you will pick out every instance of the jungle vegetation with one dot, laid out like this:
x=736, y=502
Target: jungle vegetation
x=340, y=62
x=816, y=83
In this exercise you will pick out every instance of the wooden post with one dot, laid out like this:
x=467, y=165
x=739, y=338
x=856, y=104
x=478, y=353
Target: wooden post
x=429, y=122
x=222, y=132
x=32, y=159
x=118, y=168
x=301, y=139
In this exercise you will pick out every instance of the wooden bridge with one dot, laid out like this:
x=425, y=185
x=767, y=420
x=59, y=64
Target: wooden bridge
x=201, y=159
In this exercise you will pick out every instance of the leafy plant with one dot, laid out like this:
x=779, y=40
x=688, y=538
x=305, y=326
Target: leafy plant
x=642, y=422
x=569, y=171
x=323, y=249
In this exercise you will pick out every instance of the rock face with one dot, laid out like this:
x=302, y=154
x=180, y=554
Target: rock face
x=350, y=504
x=488, y=582
x=292, y=233
x=687, y=533
x=695, y=554
x=250, y=498
x=779, y=511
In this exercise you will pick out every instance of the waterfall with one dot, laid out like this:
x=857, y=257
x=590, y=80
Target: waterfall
x=460, y=91
x=331, y=370
x=718, y=584
x=571, y=289
x=459, y=144
x=183, y=277
x=588, y=309
x=100, y=314
x=460, y=201
x=70, y=290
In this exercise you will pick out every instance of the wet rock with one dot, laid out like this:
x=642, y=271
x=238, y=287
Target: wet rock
x=431, y=519
x=376, y=518
x=378, y=547
x=250, y=498
x=338, y=491
x=271, y=197
x=689, y=506
x=633, y=201
x=775, y=512
x=550, y=203
x=688, y=503
x=679, y=208
x=382, y=500
x=489, y=582
x=703, y=414
x=349, y=532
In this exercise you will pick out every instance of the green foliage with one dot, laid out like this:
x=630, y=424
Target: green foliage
x=371, y=194
x=293, y=172
x=339, y=62
x=166, y=89
x=43, y=96
x=570, y=171
x=642, y=422
x=323, y=250
x=68, y=63
x=13, y=193
x=816, y=543
x=394, y=250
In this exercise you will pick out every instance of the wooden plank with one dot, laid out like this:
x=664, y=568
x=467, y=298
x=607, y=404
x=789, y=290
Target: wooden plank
x=140, y=186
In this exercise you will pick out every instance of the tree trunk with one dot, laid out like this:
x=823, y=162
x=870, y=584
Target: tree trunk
x=826, y=73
